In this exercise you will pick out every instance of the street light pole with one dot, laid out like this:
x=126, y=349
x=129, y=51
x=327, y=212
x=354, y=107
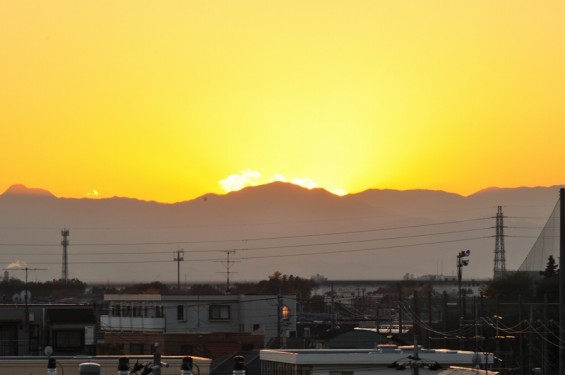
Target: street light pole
x=460, y=264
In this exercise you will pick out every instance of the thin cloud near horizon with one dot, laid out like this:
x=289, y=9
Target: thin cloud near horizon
x=238, y=181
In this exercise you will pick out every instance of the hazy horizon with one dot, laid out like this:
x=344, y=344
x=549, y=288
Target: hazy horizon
x=177, y=101
x=378, y=234
x=37, y=190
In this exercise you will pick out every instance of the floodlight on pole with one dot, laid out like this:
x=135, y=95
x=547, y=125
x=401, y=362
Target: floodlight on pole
x=461, y=262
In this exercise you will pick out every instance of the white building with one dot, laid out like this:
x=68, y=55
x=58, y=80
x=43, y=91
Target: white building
x=267, y=316
x=365, y=362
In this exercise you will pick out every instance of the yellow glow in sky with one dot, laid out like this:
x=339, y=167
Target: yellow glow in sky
x=165, y=100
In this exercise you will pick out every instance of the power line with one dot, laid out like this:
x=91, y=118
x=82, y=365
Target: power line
x=277, y=246
x=253, y=239
x=294, y=254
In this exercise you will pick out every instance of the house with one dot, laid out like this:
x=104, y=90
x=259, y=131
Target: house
x=211, y=326
x=25, y=329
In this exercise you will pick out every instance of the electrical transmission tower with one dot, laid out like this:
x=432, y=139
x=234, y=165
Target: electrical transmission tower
x=499, y=254
x=65, y=243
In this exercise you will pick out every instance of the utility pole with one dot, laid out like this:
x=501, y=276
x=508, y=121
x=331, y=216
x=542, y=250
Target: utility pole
x=416, y=364
x=561, y=279
x=26, y=295
x=497, y=318
x=228, y=265
x=400, y=307
x=279, y=318
x=430, y=320
x=416, y=320
x=65, y=244
x=179, y=258
x=332, y=308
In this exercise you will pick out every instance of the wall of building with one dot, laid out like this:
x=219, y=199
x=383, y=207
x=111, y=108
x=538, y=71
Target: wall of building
x=261, y=312
x=21, y=336
x=210, y=345
x=204, y=314
x=360, y=361
x=108, y=365
x=196, y=314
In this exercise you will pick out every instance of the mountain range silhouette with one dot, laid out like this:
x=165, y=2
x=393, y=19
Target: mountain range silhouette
x=374, y=234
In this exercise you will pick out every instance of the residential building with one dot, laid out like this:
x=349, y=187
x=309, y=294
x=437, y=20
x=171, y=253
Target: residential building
x=211, y=326
x=25, y=329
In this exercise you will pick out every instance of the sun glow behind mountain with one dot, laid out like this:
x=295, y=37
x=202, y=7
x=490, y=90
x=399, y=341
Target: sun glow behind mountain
x=249, y=177
x=375, y=94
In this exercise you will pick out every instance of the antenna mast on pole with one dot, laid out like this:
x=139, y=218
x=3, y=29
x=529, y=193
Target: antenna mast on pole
x=228, y=265
x=65, y=243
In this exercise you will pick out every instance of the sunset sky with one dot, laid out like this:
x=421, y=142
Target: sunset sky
x=169, y=100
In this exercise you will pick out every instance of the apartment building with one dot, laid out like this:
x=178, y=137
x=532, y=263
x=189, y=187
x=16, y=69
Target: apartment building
x=211, y=326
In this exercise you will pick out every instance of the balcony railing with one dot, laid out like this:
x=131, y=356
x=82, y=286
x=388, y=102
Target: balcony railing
x=123, y=323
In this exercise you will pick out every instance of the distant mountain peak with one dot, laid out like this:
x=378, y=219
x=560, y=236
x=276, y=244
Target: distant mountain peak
x=22, y=190
x=280, y=187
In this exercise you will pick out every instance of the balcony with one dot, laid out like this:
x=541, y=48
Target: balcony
x=126, y=323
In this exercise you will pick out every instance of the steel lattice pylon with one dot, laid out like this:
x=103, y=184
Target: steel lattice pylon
x=499, y=253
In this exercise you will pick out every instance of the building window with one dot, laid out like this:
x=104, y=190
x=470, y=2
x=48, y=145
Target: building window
x=64, y=339
x=126, y=311
x=158, y=311
x=180, y=312
x=219, y=312
x=34, y=331
x=8, y=339
x=285, y=313
x=137, y=311
x=136, y=349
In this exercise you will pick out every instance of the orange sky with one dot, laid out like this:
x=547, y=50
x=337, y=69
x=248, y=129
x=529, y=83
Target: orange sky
x=163, y=100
